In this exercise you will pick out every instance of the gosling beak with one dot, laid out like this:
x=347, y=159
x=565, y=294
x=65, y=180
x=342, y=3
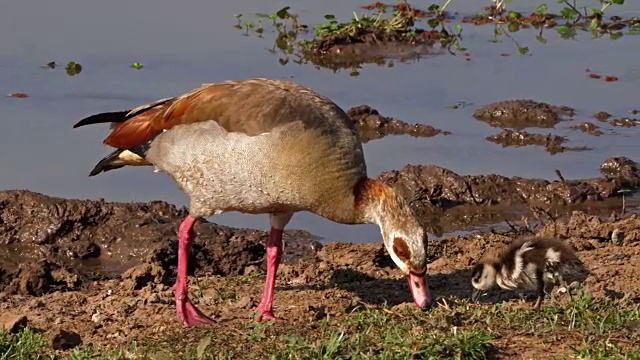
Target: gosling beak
x=475, y=295
x=419, y=290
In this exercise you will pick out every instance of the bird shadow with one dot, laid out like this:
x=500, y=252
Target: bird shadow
x=391, y=292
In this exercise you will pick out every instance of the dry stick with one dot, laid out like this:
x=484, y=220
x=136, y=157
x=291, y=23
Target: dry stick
x=511, y=226
x=525, y=220
x=623, y=191
x=560, y=175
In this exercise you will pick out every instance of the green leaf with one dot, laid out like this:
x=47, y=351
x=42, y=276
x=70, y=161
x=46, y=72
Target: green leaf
x=541, y=39
x=457, y=28
x=514, y=15
x=282, y=13
x=433, y=7
x=73, y=68
x=433, y=23
x=618, y=2
x=513, y=26
x=542, y=8
x=568, y=13
x=330, y=17
x=615, y=35
x=202, y=346
x=137, y=66
x=562, y=28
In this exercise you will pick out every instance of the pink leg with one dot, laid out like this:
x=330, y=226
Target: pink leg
x=274, y=253
x=187, y=312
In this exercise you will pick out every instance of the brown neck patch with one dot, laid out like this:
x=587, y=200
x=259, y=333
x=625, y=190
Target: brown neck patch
x=367, y=191
x=401, y=249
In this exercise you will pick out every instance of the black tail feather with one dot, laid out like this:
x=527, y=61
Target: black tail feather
x=106, y=163
x=117, y=117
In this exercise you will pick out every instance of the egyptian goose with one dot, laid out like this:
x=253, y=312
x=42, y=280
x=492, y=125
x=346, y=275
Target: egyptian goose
x=530, y=263
x=263, y=146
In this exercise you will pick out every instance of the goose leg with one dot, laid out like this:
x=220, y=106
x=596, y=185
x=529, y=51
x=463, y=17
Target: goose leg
x=274, y=253
x=540, y=291
x=188, y=313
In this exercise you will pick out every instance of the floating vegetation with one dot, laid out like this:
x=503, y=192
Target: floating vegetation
x=136, y=65
x=386, y=33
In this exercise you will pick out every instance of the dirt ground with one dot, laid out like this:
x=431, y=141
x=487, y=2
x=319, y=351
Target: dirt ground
x=328, y=281
x=104, y=270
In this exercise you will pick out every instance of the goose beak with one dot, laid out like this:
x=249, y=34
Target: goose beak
x=420, y=290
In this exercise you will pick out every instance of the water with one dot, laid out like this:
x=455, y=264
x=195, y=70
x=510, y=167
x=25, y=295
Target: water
x=185, y=44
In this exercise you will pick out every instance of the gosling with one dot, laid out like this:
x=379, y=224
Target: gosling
x=530, y=263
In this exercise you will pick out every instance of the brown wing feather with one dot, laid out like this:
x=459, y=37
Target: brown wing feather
x=252, y=107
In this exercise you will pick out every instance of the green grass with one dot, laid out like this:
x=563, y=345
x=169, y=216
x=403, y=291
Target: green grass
x=585, y=314
x=594, y=328
x=603, y=350
x=26, y=345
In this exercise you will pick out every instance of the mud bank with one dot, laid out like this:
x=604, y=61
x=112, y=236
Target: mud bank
x=371, y=125
x=76, y=240
x=448, y=202
x=522, y=114
x=553, y=144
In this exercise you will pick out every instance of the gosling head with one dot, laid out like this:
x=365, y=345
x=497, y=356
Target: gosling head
x=483, y=278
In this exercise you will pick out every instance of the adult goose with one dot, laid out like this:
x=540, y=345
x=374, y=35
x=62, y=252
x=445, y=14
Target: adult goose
x=263, y=146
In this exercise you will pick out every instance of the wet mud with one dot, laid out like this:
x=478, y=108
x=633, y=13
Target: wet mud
x=371, y=125
x=551, y=143
x=333, y=54
x=624, y=122
x=602, y=116
x=522, y=114
x=589, y=128
x=446, y=201
x=74, y=242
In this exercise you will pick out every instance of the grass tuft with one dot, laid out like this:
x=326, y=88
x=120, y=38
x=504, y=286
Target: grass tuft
x=590, y=328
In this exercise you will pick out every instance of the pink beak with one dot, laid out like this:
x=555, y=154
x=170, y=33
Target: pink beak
x=420, y=290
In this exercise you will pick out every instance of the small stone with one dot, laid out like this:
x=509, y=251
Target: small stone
x=96, y=318
x=65, y=340
x=617, y=236
x=319, y=312
x=36, y=303
x=140, y=276
x=13, y=323
x=244, y=302
x=251, y=269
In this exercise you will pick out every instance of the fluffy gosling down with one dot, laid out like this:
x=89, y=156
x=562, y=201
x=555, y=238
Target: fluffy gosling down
x=530, y=263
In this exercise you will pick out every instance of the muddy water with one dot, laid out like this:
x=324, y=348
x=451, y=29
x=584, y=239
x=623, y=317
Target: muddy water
x=184, y=45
